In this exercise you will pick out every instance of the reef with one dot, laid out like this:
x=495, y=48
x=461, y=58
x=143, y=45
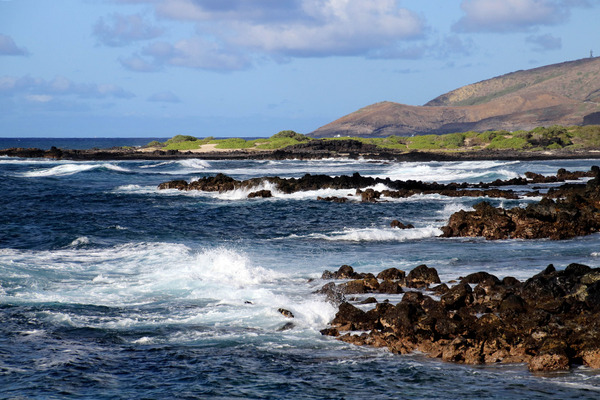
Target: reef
x=397, y=188
x=551, y=321
x=572, y=209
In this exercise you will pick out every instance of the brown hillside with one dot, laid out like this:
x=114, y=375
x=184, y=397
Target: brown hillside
x=561, y=94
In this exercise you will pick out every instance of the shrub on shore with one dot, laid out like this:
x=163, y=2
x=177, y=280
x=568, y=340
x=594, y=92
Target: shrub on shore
x=539, y=139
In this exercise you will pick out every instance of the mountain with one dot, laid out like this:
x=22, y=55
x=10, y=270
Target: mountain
x=564, y=94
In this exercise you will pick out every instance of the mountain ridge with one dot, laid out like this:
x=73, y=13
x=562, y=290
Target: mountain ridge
x=566, y=93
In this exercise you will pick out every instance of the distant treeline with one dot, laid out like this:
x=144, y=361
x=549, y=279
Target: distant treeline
x=538, y=139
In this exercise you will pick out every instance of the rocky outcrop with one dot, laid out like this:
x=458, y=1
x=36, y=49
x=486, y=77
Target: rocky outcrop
x=574, y=212
x=361, y=184
x=551, y=321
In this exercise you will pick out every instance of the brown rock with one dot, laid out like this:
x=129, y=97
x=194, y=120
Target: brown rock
x=422, y=276
x=260, y=193
x=393, y=274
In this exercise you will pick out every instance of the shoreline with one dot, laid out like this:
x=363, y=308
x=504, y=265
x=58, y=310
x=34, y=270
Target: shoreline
x=315, y=150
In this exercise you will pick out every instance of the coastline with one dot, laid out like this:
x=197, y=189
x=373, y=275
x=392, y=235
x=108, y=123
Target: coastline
x=310, y=151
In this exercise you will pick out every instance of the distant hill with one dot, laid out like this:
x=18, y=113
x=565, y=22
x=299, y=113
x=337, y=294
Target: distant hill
x=565, y=94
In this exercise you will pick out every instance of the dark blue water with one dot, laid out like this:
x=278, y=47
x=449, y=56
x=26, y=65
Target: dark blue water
x=111, y=289
x=75, y=143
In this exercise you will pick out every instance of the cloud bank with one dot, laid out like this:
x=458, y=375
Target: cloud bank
x=232, y=34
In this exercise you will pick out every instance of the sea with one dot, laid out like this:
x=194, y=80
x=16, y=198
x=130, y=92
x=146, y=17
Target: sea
x=112, y=289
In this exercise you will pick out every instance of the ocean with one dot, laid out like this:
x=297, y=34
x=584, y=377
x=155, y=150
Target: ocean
x=112, y=289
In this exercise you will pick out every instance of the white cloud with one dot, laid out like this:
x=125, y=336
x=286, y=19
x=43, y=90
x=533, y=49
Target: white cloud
x=121, y=30
x=312, y=28
x=8, y=47
x=513, y=15
x=197, y=53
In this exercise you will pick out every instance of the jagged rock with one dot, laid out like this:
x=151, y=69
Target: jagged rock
x=286, y=327
x=390, y=287
x=369, y=196
x=369, y=300
x=344, y=272
x=332, y=293
x=457, y=296
x=397, y=224
x=178, y=184
x=333, y=199
x=286, y=313
x=575, y=212
x=550, y=322
x=260, y=193
x=393, y=274
x=422, y=276
x=358, y=286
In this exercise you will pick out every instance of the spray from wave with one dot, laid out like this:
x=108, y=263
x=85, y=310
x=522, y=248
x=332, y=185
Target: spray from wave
x=72, y=169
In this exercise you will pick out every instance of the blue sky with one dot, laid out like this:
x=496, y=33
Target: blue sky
x=157, y=68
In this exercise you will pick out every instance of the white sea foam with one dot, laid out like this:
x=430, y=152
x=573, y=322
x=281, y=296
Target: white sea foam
x=378, y=234
x=71, y=169
x=450, y=172
x=194, y=164
x=225, y=287
x=137, y=189
x=452, y=208
x=80, y=241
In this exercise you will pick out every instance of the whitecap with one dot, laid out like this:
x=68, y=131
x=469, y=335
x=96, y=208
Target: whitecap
x=80, y=241
x=378, y=234
x=450, y=171
x=194, y=164
x=71, y=169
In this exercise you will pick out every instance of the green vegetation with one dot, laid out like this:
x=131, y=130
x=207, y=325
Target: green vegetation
x=236, y=143
x=538, y=139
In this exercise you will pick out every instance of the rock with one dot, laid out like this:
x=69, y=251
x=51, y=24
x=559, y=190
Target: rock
x=260, y=193
x=550, y=322
x=333, y=199
x=179, y=185
x=350, y=318
x=479, y=277
x=286, y=327
x=369, y=300
x=332, y=293
x=549, y=362
x=457, y=296
x=575, y=212
x=358, y=286
x=390, y=287
x=513, y=304
x=422, y=276
x=369, y=196
x=397, y=224
x=393, y=274
x=330, y=332
x=344, y=272
x=591, y=358
x=285, y=313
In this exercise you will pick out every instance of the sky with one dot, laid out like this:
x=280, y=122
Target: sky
x=251, y=68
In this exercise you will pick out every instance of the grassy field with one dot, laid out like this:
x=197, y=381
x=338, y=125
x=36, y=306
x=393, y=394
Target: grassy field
x=538, y=139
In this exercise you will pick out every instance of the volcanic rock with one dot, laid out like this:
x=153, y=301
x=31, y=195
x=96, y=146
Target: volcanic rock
x=550, y=322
